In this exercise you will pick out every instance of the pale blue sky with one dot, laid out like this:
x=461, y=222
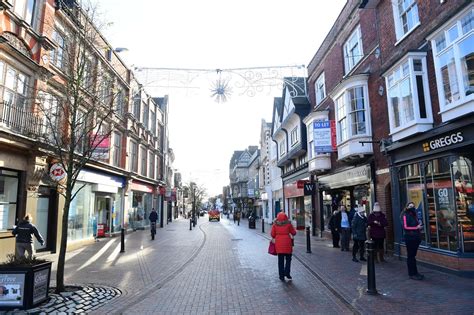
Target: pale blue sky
x=215, y=34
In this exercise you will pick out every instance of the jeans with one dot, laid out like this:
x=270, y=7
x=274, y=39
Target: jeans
x=345, y=238
x=412, y=248
x=359, y=246
x=284, y=269
x=22, y=247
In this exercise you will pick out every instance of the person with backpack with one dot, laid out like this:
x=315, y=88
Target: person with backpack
x=24, y=232
x=412, y=235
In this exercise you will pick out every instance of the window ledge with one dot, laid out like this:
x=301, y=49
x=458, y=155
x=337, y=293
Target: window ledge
x=457, y=109
x=411, y=129
x=407, y=34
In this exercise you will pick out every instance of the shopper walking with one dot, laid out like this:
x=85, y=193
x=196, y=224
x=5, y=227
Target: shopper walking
x=412, y=235
x=334, y=226
x=24, y=232
x=359, y=234
x=377, y=223
x=344, y=227
x=282, y=232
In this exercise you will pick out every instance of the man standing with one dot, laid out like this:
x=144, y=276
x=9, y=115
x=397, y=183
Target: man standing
x=24, y=237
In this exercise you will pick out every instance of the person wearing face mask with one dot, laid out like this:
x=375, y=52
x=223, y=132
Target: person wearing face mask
x=377, y=223
x=359, y=228
x=412, y=235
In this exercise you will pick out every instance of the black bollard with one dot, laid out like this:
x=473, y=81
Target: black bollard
x=190, y=224
x=371, y=268
x=122, y=240
x=308, y=240
x=263, y=225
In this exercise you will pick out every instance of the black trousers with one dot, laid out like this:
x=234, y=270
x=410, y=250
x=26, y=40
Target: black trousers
x=359, y=246
x=335, y=238
x=412, y=248
x=378, y=242
x=284, y=269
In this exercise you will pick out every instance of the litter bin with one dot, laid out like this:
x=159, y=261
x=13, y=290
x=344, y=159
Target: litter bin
x=251, y=222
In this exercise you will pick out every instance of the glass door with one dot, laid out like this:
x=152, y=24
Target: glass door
x=42, y=215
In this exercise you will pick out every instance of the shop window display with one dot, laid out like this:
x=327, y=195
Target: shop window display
x=462, y=173
x=81, y=213
x=8, y=198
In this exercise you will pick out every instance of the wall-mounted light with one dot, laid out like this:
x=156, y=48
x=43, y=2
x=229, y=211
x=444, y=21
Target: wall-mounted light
x=381, y=90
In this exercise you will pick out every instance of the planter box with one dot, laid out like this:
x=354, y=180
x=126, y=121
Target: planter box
x=23, y=287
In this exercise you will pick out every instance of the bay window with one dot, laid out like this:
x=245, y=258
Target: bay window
x=453, y=50
x=351, y=113
x=409, y=103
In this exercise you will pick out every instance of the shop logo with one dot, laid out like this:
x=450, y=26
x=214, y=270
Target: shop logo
x=57, y=172
x=443, y=142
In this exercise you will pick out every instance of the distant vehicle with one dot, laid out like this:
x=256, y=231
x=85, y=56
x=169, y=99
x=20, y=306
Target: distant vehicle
x=202, y=213
x=214, y=215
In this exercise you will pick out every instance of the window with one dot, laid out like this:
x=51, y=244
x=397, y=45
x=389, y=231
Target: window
x=405, y=15
x=15, y=89
x=25, y=9
x=133, y=156
x=320, y=89
x=145, y=115
x=120, y=102
x=143, y=165
x=408, y=95
x=353, y=50
x=82, y=133
x=351, y=113
x=136, y=105
x=282, y=147
x=151, y=166
x=453, y=48
x=153, y=123
x=87, y=73
x=117, y=154
x=58, y=55
x=294, y=136
x=8, y=198
x=49, y=108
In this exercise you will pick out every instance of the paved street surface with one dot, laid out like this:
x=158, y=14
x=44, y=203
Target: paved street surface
x=222, y=268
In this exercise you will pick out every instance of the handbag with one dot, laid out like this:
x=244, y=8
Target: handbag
x=272, y=249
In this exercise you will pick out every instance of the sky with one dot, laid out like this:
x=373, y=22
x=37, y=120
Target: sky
x=212, y=34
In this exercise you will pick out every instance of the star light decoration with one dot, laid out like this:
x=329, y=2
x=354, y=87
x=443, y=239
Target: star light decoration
x=221, y=89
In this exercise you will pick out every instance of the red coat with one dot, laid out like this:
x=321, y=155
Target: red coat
x=281, y=230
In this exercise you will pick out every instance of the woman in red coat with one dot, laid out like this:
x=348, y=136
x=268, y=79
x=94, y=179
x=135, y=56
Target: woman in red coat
x=281, y=230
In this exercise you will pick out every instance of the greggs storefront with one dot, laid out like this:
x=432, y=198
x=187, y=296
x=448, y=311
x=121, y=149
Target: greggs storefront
x=435, y=171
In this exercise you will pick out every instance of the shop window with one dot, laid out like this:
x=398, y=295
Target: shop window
x=464, y=195
x=441, y=211
x=81, y=213
x=412, y=190
x=453, y=50
x=8, y=198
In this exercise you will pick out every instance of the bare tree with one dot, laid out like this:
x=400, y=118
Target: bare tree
x=79, y=105
x=196, y=193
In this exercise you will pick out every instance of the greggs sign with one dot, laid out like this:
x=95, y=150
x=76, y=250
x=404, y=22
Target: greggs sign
x=443, y=142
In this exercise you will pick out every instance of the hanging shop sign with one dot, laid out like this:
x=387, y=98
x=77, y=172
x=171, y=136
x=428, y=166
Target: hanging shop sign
x=57, y=172
x=309, y=189
x=323, y=136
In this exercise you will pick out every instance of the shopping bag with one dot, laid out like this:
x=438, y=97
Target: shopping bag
x=272, y=249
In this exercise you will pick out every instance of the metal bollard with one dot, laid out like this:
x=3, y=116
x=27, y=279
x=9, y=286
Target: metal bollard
x=308, y=240
x=122, y=240
x=371, y=268
x=190, y=224
x=263, y=225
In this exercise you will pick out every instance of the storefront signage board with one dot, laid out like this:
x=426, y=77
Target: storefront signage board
x=12, y=289
x=354, y=176
x=142, y=187
x=97, y=178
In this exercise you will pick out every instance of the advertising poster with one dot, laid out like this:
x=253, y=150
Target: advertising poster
x=40, y=285
x=322, y=136
x=11, y=289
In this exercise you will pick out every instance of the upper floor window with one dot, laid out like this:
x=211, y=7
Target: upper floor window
x=136, y=105
x=320, y=89
x=282, y=147
x=406, y=16
x=145, y=115
x=408, y=94
x=133, y=156
x=58, y=55
x=453, y=49
x=117, y=153
x=353, y=50
x=13, y=86
x=25, y=9
x=120, y=102
x=351, y=113
x=294, y=136
x=151, y=166
x=143, y=165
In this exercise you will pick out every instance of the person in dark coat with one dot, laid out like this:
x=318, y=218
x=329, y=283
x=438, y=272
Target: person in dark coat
x=377, y=223
x=412, y=235
x=334, y=226
x=359, y=228
x=281, y=231
x=153, y=217
x=24, y=232
x=344, y=225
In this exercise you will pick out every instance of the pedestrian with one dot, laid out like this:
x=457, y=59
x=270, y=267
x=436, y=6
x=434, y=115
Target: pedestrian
x=344, y=225
x=359, y=234
x=334, y=226
x=377, y=223
x=412, y=235
x=24, y=232
x=94, y=228
x=282, y=235
x=153, y=217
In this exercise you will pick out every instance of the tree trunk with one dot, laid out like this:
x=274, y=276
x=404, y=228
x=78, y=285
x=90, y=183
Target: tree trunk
x=63, y=245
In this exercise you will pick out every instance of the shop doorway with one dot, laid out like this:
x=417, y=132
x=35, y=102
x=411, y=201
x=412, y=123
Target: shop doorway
x=103, y=213
x=46, y=219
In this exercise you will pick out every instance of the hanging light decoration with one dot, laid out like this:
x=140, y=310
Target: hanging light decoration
x=221, y=89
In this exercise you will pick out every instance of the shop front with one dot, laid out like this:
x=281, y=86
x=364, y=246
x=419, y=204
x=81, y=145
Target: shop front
x=298, y=205
x=435, y=172
x=141, y=197
x=351, y=187
x=97, y=208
